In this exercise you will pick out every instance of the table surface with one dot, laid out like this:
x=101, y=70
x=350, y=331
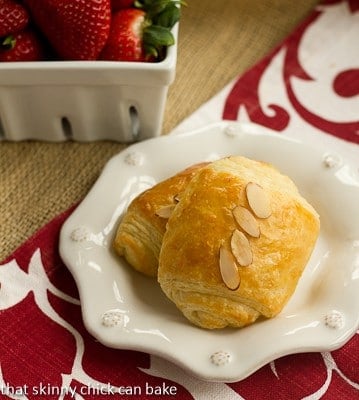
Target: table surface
x=216, y=43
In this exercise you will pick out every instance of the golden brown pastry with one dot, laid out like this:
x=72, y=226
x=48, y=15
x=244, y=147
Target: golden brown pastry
x=236, y=244
x=139, y=235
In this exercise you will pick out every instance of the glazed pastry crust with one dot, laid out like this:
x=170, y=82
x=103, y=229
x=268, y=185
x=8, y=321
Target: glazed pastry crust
x=140, y=232
x=203, y=221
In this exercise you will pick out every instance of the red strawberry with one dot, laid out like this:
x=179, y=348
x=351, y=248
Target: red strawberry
x=125, y=39
x=22, y=46
x=120, y=4
x=13, y=17
x=134, y=38
x=77, y=29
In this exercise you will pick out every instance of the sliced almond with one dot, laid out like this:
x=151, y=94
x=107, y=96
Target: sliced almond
x=241, y=248
x=165, y=211
x=228, y=268
x=258, y=200
x=177, y=197
x=246, y=220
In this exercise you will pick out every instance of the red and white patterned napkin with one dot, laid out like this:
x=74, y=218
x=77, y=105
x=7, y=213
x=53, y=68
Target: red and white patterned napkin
x=307, y=88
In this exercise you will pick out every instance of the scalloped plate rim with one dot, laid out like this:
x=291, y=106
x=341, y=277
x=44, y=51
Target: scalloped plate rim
x=158, y=341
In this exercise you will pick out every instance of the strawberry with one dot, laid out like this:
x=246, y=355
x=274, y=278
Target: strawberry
x=125, y=39
x=76, y=29
x=13, y=17
x=120, y=4
x=141, y=34
x=21, y=46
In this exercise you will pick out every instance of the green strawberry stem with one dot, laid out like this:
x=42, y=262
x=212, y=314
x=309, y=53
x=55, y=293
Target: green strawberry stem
x=161, y=16
x=156, y=7
x=8, y=42
x=156, y=37
x=168, y=17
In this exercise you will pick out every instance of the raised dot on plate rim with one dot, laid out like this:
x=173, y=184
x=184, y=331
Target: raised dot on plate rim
x=134, y=158
x=80, y=234
x=331, y=160
x=334, y=320
x=220, y=358
x=232, y=130
x=113, y=318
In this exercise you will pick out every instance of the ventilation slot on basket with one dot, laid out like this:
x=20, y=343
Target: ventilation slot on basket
x=2, y=131
x=135, y=122
x=66, y=128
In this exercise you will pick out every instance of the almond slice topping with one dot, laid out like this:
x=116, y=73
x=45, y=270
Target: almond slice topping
x=246, y=220
x=258, y=200
x=177, y=197
x=228, y=268
x=241, y=248
x=165, y=211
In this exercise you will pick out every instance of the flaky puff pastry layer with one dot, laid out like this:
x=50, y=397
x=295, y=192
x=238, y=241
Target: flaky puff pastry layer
x=140, y=232
x=203, y=222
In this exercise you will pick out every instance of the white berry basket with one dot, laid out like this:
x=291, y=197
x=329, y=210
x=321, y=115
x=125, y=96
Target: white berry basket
x=85, y=100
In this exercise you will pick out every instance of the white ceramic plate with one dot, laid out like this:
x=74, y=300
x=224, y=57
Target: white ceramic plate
x=123, y=309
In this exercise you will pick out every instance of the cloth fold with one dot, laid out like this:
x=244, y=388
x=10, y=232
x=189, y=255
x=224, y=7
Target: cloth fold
x=307, y=88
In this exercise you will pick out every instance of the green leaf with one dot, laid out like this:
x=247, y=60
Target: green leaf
x=8, y=42
x=150, y=50
x=156, y=36
x=152, y=7
x=169, y=16
x=161, y=16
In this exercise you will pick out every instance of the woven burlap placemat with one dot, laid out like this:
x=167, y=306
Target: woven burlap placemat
x=217, y=41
